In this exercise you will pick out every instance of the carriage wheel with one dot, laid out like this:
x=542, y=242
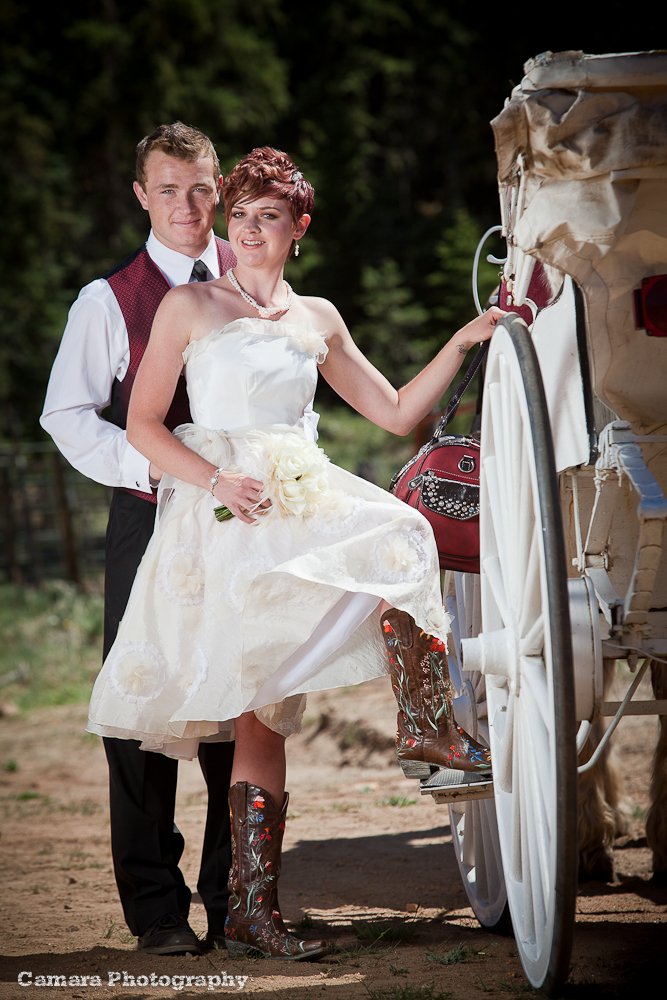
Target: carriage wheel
x=525, y=652
x=473, y=823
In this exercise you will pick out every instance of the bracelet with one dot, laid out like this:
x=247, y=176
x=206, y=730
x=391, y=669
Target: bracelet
x=214, y=480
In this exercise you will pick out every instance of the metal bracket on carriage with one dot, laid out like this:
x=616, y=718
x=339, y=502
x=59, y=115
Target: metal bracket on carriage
x=527, y=285
x=446, y=786
x=537, y=296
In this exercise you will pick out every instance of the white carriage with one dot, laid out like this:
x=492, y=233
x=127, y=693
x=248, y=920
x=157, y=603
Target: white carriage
x=573, y=480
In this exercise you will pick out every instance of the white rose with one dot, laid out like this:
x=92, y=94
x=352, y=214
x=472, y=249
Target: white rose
x=290, y=466
x=295, y=473
x=292, y=496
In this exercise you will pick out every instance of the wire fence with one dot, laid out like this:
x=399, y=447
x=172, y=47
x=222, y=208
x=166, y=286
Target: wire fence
x=52, y=519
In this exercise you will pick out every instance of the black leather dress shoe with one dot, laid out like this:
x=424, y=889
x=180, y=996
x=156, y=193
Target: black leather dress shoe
x=170, y=935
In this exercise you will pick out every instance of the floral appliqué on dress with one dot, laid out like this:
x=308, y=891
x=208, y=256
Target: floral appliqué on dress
x=180, y=574
x=402, y=557
x=138, y=672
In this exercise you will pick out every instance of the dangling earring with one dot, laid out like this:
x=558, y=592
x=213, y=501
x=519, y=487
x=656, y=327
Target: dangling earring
x=296, y=249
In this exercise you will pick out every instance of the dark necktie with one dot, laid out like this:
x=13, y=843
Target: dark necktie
x=200, y=272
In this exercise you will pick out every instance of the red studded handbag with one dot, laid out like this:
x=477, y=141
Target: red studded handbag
x=442, y=482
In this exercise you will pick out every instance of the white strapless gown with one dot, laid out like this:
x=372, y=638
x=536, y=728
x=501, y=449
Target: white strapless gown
x=224, y=618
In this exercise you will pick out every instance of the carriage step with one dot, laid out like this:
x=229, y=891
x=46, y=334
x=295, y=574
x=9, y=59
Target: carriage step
x=448, y=786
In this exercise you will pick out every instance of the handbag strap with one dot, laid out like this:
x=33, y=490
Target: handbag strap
x=455, y=399
x=450, y=410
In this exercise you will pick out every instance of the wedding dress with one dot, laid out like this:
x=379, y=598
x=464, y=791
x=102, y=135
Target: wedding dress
x=225, y=617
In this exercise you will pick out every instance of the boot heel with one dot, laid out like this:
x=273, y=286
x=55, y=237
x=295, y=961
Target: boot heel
x=415, y=768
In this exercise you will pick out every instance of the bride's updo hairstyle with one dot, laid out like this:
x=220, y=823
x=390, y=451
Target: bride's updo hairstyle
x=268, y=171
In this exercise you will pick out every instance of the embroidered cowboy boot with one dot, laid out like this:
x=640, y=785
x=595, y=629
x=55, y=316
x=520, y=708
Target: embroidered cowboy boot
x=428, y=736
x=254, y=923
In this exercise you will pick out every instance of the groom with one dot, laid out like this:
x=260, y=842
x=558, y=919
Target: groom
x=177, y=183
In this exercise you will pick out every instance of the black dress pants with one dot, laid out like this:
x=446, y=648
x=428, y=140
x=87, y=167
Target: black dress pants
x=146, y=845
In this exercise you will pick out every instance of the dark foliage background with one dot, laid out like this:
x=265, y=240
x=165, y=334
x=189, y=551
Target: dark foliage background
x=385, y=104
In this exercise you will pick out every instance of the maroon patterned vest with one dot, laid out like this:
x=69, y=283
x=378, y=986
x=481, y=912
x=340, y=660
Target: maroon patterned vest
x=139, y=287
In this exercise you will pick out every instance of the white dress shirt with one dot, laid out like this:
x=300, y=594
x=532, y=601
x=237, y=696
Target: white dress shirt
x=93, y=352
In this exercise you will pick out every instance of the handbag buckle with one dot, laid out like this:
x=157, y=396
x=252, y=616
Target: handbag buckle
x=466, y=463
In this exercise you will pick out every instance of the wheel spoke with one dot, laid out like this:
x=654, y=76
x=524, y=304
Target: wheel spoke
x=532, y=643
x=496, y=583
x=473, y=824
x=538, y=794
x=535, y=689
x=497, y=533
x=532, y=602
x=502, y=747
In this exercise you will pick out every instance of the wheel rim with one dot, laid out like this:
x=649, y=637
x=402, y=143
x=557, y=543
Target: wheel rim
x=528, y=658
x=473, y=824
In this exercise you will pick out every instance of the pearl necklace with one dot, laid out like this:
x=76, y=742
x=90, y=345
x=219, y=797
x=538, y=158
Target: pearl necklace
x=264, y=311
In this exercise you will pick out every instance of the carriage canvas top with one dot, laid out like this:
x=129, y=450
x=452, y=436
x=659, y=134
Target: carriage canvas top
x=581, y=146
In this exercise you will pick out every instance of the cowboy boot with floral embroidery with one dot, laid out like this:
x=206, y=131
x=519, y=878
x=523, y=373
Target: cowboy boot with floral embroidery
x=254, y=924
x=428, y=736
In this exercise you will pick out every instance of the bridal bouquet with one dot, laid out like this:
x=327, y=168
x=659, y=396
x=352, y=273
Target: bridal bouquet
x=294, y=473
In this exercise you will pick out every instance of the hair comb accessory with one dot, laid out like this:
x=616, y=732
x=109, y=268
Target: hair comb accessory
x=296, y=176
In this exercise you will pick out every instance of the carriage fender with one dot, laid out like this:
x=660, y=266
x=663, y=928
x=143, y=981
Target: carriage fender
x=554, y=333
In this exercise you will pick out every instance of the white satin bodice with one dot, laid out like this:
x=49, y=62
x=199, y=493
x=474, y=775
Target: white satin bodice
x=252, y=373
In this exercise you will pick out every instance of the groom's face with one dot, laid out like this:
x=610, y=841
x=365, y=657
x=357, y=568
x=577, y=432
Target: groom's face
x=181, y=198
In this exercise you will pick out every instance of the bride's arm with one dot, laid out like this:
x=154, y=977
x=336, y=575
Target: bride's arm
x=366, y=389
x=151, y=397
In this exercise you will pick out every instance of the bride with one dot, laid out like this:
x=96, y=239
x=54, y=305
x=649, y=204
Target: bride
x=272, y=572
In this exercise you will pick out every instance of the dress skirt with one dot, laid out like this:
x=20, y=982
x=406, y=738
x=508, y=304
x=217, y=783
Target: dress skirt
x=226, y=618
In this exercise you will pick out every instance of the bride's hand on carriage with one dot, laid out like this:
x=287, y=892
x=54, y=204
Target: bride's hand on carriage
x=478, y=330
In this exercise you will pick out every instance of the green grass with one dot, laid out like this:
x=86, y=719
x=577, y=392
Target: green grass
x=31, y=803
x=398, y=801
x=523, y=989
x=343, y=807
x=451, y=957
x=409, y=993
x=376, y=933
x=117, y=932
x=52, y=644
x=353, y=735
x=27, y=796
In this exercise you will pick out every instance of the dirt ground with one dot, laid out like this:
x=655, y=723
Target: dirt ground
x=368, y=864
